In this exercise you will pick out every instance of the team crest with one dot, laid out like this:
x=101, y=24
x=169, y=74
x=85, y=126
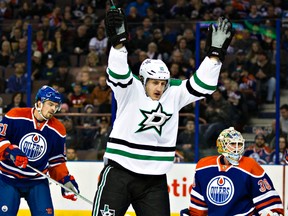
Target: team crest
x=154, y=119
x=107, y=211
x=220, y=190
x=34, y=145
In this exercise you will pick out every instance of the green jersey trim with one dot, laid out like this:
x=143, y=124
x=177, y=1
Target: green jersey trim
x=136, y=77
x=117, y=76
x=175, y=82
x=139, y=157
x=203, y=85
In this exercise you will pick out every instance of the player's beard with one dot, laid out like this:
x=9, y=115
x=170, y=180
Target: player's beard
x=48, y=115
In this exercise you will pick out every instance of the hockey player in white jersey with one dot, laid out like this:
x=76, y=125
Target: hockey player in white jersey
x=141, y=147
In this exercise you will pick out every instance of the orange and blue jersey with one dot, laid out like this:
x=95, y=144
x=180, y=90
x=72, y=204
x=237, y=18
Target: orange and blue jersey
x=42, y=142
x=220, y=189
x=261, y=155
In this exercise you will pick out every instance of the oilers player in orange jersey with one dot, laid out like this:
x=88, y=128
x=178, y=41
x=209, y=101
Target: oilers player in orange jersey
x=232, y=184
x=34, y=136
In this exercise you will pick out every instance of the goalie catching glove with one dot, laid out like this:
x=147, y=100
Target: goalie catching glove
x=69, y=182
x=219, y=38
x=15, y=154
x=116, y=26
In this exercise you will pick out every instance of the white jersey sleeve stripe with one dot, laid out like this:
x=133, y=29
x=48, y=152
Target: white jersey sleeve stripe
x=114, y=80
x=203, y=83
x=265, y=196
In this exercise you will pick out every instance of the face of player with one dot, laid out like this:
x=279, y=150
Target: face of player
x=155, y=88
x=234, y=148
x=48, y=109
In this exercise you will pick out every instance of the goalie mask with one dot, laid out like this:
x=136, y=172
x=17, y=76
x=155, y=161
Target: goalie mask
x=154, y=69
x=230, y=143
x=47, y=93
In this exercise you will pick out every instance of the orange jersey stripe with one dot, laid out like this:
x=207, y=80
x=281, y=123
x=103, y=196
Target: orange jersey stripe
x=269, y=202
x=198, y=201
x=13, y=173
x=196, y=212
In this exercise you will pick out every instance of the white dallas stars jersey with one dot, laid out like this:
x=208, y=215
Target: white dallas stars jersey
x=144, y=133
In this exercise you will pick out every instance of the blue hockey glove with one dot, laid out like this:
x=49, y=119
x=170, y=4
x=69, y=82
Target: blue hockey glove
x=15, y=154
x=219, y=38
x=69, y=182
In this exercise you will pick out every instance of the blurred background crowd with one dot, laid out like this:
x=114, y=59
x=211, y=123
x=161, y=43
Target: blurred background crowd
x=70, y=49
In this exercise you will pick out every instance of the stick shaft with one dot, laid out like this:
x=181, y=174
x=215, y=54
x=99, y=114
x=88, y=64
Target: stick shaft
x=61, y=185
x=112, y=4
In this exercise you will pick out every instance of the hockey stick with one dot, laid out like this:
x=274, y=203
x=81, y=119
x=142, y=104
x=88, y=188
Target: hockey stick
x=112, y=4
x=61, y=185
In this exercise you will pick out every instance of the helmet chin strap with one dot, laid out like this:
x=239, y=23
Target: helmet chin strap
x=39, y=110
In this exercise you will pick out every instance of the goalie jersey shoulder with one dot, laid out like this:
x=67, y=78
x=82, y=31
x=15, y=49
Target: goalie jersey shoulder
x=247, y=165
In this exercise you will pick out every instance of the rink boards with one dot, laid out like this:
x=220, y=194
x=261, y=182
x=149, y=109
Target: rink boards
x=180, y=180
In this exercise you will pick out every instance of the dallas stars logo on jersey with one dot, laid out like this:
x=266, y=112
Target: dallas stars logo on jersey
x=154, y=119
x=107, y=211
